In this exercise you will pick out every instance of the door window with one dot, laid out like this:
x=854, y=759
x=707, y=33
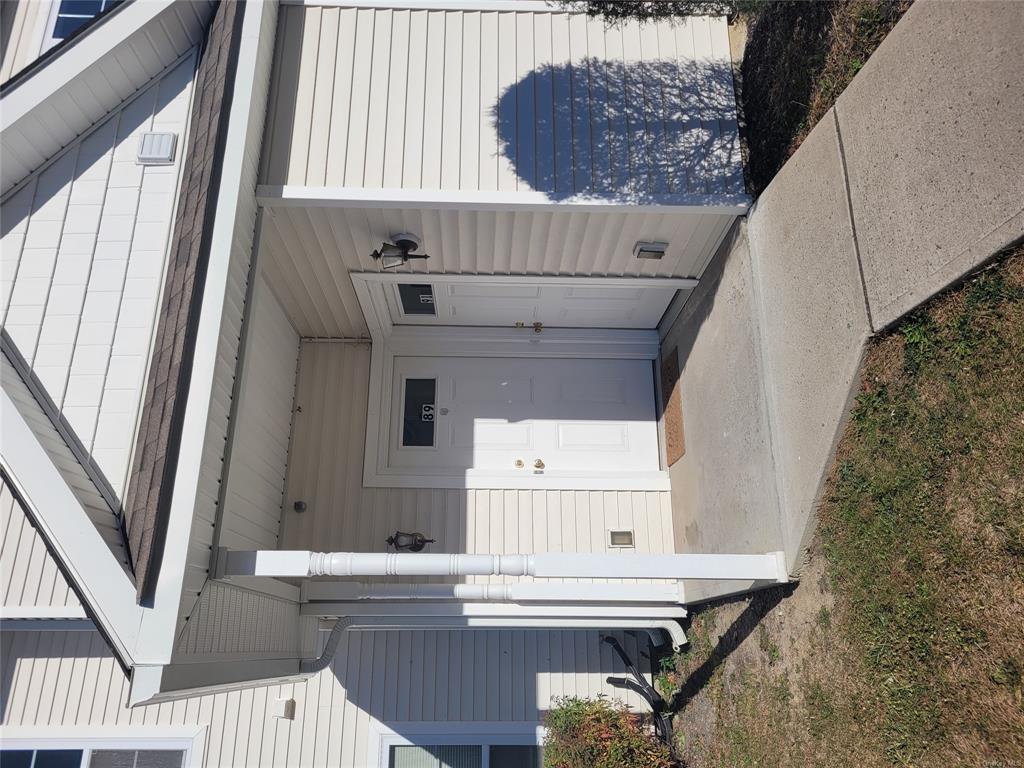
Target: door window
x=418, y=413
x=416, y=299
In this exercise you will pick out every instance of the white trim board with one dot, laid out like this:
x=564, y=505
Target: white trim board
x=65, y=526
x=291, y=196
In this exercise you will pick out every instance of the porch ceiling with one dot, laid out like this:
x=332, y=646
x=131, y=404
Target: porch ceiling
x=307, y=253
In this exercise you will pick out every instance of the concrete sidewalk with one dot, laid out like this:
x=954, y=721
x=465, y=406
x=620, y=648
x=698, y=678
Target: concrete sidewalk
x=912, y=181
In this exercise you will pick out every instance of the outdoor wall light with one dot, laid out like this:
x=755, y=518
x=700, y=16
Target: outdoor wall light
x=408, y=542
x=392, y=255
x=644, y=250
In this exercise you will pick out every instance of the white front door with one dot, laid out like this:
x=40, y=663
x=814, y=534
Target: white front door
x=525, y=422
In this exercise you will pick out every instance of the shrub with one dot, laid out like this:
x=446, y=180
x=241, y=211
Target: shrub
x=598, y=733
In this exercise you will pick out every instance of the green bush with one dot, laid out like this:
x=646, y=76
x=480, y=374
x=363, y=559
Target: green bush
x=598, y=733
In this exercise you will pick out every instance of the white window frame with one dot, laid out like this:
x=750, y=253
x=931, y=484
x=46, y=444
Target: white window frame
x=189, y=739
x=390, y=341
x=51, y=23
x=383, y=736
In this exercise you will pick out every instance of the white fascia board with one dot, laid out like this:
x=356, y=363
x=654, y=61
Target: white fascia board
x=170, y=682
x=293, y=196
x=68, y=64
x=65, y=526
x=155, y=642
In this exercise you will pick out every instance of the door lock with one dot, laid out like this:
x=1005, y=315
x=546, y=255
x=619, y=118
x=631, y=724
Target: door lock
x=520, y=463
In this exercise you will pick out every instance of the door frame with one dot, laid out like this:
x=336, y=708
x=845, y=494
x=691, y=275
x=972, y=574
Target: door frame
x=390, y=341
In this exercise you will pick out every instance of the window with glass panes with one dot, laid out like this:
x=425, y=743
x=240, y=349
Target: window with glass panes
x=467, y=756
x=91, y=758
x=73, y=14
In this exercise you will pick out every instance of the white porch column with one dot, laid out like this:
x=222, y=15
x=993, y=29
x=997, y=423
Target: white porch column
x=770, y=566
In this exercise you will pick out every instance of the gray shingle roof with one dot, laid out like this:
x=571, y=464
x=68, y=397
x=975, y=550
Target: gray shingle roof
x=156, y=453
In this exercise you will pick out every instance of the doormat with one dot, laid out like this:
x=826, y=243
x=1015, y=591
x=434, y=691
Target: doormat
x=672, y=406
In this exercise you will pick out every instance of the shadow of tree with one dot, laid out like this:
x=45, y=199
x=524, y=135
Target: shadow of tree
x=603, y=128
x=760, y=605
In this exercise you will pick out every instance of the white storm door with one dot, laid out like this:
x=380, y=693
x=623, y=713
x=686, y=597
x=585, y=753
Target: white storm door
x=517, y=419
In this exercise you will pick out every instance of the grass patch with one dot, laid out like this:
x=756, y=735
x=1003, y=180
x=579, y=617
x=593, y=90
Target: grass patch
x=922, y=526
x=798, y=58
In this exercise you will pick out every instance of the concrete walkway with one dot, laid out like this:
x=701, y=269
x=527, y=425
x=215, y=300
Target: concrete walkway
x=913, y=180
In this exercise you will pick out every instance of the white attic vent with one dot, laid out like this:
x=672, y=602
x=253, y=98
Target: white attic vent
x=157, y=148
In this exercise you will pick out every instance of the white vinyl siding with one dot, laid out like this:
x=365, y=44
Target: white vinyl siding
x=326, y=470
x=308, y=252
x=502, y=101
x=259, y=454
x=100, y=87
x=29, y=577
x=67, y=679
x=230, y=623
x=84, y=251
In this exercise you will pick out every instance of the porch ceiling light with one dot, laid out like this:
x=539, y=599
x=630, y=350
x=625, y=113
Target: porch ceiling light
x=394, y=254
x=644, y=250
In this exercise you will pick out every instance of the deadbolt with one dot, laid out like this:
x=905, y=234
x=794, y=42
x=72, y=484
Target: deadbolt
x=538, y=464
x=520, y=463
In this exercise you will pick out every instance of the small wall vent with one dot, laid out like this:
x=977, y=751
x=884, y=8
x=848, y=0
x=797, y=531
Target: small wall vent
x=655, y=251
x=620, y=538
x=157, y=148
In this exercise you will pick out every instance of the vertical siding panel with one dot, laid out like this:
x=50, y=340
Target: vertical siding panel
x=412, y=154
x=380, y=100
x=729, y=169
x=600, y=135
x=358, y=116
x=433, y=115
x=526, y=116
x=323, y=96
x=545, y=104
x=451, y=100
x=489, y=95
x=341, y=98
x=652, y=73
x=428, y=668
x=583, y=178
x=395, y=120
x=508, y=96
x=636, y=120
x=619, y=155
x=710, y=131
x=471, y=107
x=676, y=71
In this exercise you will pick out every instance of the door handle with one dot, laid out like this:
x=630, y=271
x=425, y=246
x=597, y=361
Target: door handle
x=538, y=464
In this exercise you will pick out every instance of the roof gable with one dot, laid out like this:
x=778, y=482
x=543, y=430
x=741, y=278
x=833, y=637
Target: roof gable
x=78, y=83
